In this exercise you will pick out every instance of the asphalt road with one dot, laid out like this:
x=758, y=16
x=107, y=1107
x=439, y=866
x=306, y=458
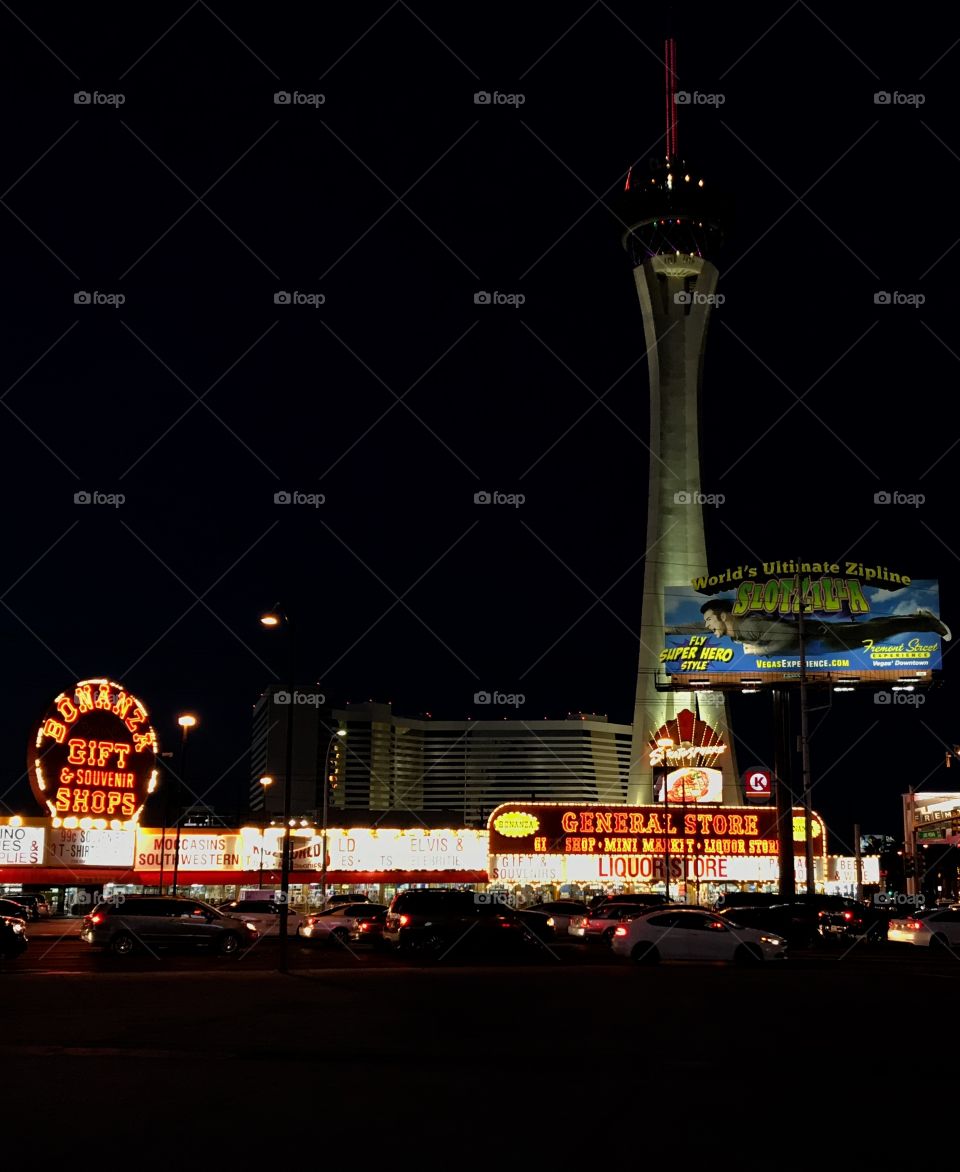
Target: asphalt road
x=195, y=1060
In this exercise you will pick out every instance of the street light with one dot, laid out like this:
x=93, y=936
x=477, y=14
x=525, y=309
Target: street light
x=272, y=620
x=264, y=781
x=187, y=721
x=340, y=732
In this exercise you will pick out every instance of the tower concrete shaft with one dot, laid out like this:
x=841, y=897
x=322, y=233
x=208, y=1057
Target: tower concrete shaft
x=676, y=295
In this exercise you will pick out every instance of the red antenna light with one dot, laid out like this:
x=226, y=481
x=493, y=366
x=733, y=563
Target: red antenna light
x=670, y=71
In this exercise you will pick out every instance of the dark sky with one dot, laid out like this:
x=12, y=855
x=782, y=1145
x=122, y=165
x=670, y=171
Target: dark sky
x=398, y=199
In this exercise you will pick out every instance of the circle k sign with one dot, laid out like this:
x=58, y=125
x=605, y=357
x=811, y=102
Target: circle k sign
x=758, y=784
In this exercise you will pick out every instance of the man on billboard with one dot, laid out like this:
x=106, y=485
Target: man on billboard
x=771, y=635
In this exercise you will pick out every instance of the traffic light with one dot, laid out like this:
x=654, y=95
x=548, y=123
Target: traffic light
x=909, y=866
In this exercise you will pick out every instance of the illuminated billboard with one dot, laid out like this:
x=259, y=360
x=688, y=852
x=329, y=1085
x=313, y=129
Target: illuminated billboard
x=94, y=755
x=860, y=623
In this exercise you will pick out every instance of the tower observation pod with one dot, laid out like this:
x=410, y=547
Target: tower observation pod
x=671, y=226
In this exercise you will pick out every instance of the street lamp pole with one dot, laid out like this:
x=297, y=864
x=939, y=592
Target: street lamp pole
x=340, y=732
x=274, y=619
x=264, y=781
x=186, y=723
x=665, y=744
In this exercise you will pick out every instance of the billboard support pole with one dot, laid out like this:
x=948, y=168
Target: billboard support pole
x=805, y=753
x=781, y=768
x=859, y=860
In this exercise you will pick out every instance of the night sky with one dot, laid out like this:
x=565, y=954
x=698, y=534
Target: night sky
x=398, y=198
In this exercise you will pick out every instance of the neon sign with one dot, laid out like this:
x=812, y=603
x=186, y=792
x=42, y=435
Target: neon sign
x=94, y=754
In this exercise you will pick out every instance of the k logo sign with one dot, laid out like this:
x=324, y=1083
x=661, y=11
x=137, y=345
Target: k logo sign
x=758, y=785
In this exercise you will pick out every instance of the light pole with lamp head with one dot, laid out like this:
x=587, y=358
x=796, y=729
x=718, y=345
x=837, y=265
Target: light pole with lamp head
x=186, y=722
x=271, y=620
x=665, y=744
x=337, y=733
x=265, y=782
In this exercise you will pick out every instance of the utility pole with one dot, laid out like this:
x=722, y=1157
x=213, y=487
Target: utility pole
x=856, y=855
x=805, y=751
x=783, y=771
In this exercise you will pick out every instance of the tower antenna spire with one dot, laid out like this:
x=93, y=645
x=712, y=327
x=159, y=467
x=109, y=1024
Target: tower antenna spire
x=670, y=79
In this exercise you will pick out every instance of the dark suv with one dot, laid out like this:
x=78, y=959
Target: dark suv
x=431, y=921
x=164, y=922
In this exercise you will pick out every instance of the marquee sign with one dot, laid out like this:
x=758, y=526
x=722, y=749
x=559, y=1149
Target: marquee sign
x=626, y=831
x=94, y=754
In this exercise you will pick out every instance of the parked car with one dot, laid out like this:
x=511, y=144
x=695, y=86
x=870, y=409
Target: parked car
x=687, y=934
x=11, y=908
x=852, y=920
x=560, y=912
x=601, y=922
x=334, y=925
x=39, y=908
x=13, y=937
x=367, y=929
x=937, y=929
x=164, y=922
x=645, y=900
x=263, y=913
x=731, y=899
x=333, y=900
x=430, y=921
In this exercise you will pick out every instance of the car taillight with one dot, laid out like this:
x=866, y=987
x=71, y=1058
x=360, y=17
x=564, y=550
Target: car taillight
x=96, y=918
x=404, y=920
x=621, y=931
x=915, y=925
x=848, y=915
x=311, y=920
x=363, y=926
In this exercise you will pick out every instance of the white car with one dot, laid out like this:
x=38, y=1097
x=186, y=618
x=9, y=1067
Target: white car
x=687, y=934
x=336, y=923
x=263, y=914
x=937, y=929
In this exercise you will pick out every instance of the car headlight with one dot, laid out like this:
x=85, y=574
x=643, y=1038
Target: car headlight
x=17, y=927
x=772, y=940
x=551, y=922
x=252, y=927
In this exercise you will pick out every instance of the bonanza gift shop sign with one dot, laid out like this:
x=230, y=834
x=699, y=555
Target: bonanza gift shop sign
x=94, y=754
